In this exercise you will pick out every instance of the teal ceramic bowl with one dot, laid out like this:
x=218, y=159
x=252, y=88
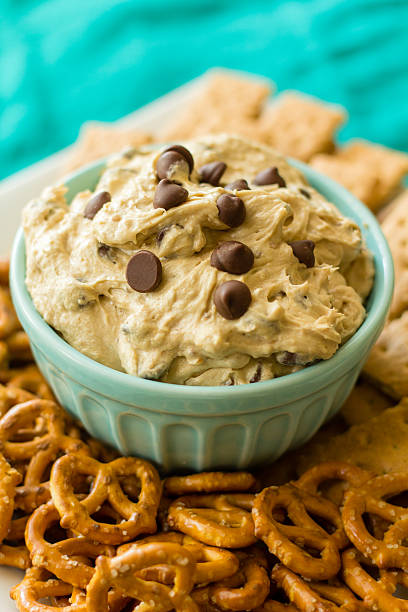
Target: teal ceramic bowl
x=199, y=428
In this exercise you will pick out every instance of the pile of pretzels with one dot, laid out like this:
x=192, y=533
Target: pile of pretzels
x=97, y=532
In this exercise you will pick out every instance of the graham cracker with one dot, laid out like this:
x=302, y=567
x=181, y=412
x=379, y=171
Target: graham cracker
x=225, y=103
x=395, y=228
x=370, y=171
x=100, y=139
x=364, y=403
x=380, y=444
x=300, y=126
x=387, y=364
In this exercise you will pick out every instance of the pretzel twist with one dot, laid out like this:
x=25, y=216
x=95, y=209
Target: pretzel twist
x=208, y=482
x=308, y=596
x=376, y=594
x=38, y=585
x=139, y=517
x=120, y=573
x=321, y=474
x=389, y=551
x=217, y=520
x=289, y=542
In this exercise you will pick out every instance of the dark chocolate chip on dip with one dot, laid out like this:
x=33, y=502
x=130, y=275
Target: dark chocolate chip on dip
x=95, y=203
x=303, y=250
x=144, y=271
x=173, y=156
x=238, y=185
x=232, y=299
x=233, y=257
x=212, y=172
x=169, y=194
x=305, y=193
x=270, y=176
x=231, y=210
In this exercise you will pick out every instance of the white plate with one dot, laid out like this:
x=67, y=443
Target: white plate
x=28, y=183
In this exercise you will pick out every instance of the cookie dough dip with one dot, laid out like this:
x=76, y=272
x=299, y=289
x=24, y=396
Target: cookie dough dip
x=207, y=263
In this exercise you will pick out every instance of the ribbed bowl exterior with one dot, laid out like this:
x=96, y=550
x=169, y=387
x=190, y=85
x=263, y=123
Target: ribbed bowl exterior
x=200, y=428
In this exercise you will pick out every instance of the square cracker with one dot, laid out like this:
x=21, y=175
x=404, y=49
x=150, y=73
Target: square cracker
x=225, y=103
x=100, y=139
x=370, y=171
x=364, y=403
x=387, y=363
x=300, y=126
x=395, y=228
x=380, y=444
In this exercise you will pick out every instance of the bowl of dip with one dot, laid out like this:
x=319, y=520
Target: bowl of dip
x=180, y=420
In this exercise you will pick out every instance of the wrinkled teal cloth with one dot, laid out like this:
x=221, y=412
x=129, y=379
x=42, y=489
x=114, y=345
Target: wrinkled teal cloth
x=63, y=62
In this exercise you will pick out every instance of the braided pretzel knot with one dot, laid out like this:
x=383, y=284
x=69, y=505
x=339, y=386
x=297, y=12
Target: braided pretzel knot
x=38, y=585
x=288, y=542
x=208, y=482
x=76, y=514
x=246, y=589
x=217, y=520
x=60, y=557
x=212, y=564
x=319, y=475
x=376, y=594
x=43, y=424
x=314, y=596
x=120, y=573
x=388, y=552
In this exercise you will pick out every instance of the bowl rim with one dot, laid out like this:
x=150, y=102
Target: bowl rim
x=285, y=386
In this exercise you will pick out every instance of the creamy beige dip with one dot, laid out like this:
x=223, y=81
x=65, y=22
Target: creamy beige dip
x=76, y=270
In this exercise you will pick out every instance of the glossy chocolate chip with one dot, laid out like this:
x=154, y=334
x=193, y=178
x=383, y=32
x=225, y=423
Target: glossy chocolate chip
x=291, y=359
x=231, y=210
x=95, y=203
x=270, y=176
x=232, y=299
x=211, y=173
x=238, y=185
x=144, y=271
x=168, y=194
x=167, y=162
x=184, y=153
x=233, y=257
x=257, y=375
x=305, y=193
x=303, y=250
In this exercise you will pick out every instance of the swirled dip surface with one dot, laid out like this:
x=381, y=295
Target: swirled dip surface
x=171, y=330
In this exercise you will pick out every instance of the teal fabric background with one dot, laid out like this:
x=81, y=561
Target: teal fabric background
x=65, y=61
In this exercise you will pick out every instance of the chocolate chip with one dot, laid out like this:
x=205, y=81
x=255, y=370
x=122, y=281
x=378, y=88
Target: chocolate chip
x=95, y=203
x=184, y=153
x=257, y=376
x=305, y=193
x=233, y=257
x=167, y=162
x=168, y=194
x=106, y=251
x=231, y=210
x=239, y=185
x=211, y=173
x=291, y=359
x=232, y=299
x=144, y=271
x=303, y=250
x=270, y=176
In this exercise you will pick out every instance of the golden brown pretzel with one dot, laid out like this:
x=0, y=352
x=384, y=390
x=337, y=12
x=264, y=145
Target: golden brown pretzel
x=389, y=551
x=208, y=482
x=18, y=346
x=44, y=437
x=247, y=588
x=290, y=542
x=212, y=563
x=376, y=594
x=61, y=558
x=309, y=596
x=120, y=573
x=138, y=517
x=323, y=473
x=10, y=396
x=4, y=271
x=37, y=585
x=30, y=379
x=8, y=318
x=217, y=520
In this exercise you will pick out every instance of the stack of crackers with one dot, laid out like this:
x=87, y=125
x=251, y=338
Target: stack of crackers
x=372, y=430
